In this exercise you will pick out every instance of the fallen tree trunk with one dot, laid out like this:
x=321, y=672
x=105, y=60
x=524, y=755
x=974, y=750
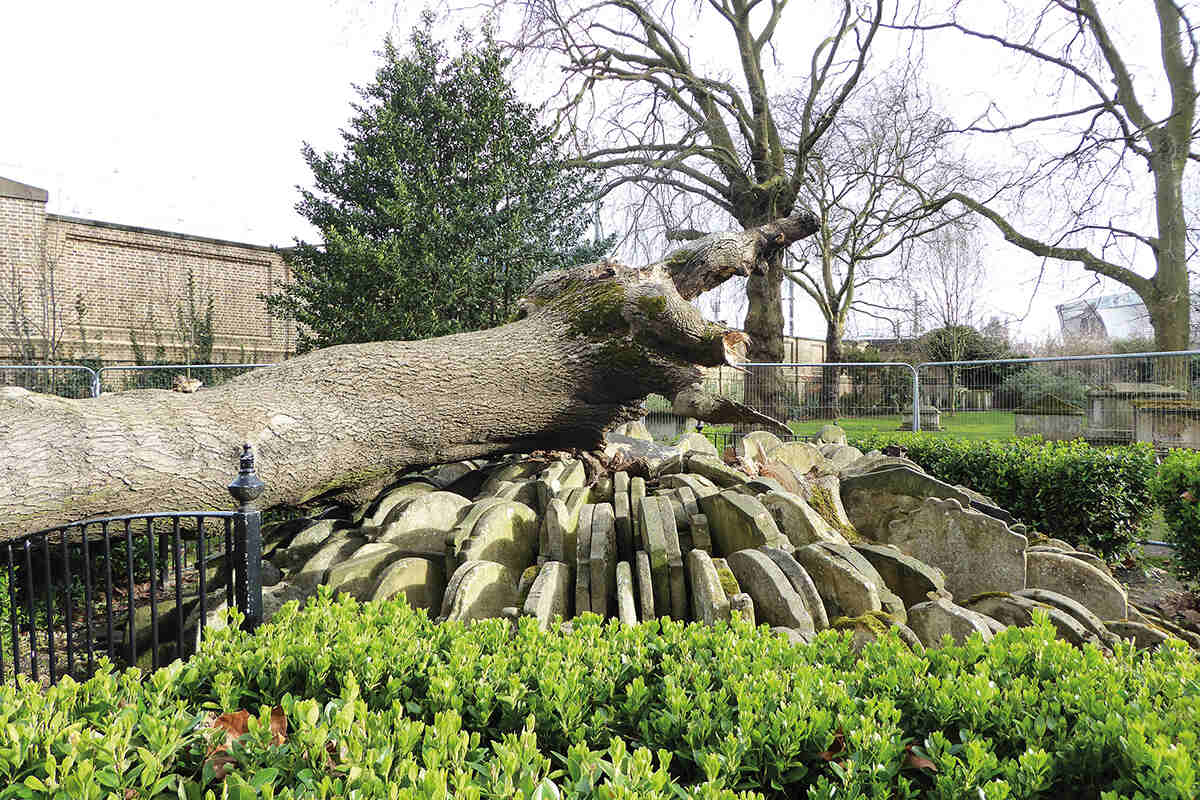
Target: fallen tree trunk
x=589, y=345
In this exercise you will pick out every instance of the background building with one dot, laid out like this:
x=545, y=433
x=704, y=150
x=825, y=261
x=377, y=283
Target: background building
x=80, y=288
x=1113, y=316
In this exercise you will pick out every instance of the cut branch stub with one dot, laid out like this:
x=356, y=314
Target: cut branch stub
x=708, y=262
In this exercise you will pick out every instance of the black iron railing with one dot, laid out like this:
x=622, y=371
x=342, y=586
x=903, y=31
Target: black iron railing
x=727, y=440
x=136, y=589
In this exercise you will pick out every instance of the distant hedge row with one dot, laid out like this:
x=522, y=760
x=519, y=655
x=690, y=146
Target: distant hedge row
x=377, y=701
x=1099, y=497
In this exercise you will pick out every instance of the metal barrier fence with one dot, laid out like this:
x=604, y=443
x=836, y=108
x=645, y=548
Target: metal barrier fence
x=807, y=395
x=165, y=376
x=1104, y=399
x=129, y=588
x=75, y=381
x=62, y=380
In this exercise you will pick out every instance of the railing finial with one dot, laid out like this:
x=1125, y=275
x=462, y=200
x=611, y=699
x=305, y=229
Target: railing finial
x=247, y=486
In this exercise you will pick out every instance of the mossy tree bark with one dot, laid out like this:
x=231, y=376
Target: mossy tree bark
x=590, y=343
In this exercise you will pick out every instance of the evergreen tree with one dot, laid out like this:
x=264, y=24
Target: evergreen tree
x=448, y=198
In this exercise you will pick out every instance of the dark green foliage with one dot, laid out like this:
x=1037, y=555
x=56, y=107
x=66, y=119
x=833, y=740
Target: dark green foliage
x=447, y=199
x=1177, y=491
x=381, y=702
x=1023, y=389
x=961, y=343
x=876, y=389
x=1098, y=497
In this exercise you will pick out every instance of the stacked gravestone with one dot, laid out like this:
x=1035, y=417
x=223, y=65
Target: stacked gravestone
x=821, y=536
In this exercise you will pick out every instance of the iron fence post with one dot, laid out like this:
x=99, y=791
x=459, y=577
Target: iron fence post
x=916, y=425
x=247, y=541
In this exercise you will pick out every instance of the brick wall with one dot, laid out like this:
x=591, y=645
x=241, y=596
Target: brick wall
x=128, y=279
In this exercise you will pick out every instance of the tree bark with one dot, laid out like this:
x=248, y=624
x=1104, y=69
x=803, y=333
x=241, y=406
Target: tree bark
x=831, y=376
x=589, y=345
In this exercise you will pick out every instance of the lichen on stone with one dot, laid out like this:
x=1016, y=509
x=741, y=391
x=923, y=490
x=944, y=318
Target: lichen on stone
x=822, y=502
x=986, y=596
x=878, y=622
x=729, y=583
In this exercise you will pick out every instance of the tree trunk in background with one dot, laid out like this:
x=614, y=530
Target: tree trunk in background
x=592, y=343
x=765, y=387
x=831, y=376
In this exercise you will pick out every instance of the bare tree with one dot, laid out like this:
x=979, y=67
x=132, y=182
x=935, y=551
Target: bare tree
x=859, y=186
x=1130, y=130
x=36, y=314
x=947, y=270
x=643, y=111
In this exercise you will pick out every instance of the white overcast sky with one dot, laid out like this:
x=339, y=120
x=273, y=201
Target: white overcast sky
x=190, y=116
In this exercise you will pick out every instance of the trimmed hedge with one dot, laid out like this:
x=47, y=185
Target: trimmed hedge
x=1098, y=497
x=380, y=702
x=1177, y=490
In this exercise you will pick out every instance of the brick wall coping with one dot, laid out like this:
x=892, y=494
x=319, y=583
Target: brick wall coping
x=156, y=232
x=22, y=191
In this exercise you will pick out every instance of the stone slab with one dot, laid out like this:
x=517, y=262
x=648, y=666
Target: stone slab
x=395, y=498
x=603, y=582
x=909, y=578
x=715, y=470
x=700, y=486
x=797, y=456
x=776, y=603
x=738, y=522
x=676, y=579
x=623, y=520
x=645, y=586
x=799, y=521
x=709, y=603
x=626, y=604
x=844, y=591
x=1144, y=637
x=696, y=443
x=583, y=561
x=506, y=534
x=650, y=515
x=549, y=596
x=1097, y=591
x=478, y=590
x=357, y=576
x=934, y=619
x=743, y=605
x=1073, y=607
x=802, y=582
x=337, y=548
x=432, y=511
x=976, y=552
x=756, y=445
x=701, y=536
x=637, y=490
x=420, y=581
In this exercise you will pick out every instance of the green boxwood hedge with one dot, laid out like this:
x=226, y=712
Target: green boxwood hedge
x=1098, y=497
x=380, y=702
x=1177, y=490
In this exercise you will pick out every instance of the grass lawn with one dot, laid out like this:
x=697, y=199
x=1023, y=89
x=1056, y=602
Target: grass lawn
x=959, y=425
x=975, y=425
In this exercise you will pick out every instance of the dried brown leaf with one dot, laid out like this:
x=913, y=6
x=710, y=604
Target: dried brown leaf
x=278, y=726
x=835, y=749
x=222, y=764
x=914, y=761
